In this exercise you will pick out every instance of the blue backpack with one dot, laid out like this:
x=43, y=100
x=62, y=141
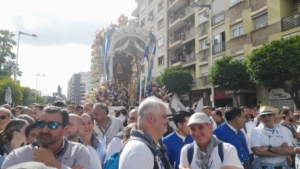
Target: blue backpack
x=113, y=161
x=190, y=152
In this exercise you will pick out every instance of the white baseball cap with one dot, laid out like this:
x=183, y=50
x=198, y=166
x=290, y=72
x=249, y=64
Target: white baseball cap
x=199, y=118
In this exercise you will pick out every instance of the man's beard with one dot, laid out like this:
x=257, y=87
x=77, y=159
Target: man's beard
x=72, y=136
x=291, y=120
x=46, y=139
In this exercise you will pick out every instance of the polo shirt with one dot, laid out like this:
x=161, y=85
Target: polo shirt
x=71, y=154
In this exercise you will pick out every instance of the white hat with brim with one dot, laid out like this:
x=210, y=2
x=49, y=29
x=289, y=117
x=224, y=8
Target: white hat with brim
x=199, y=118
x=265, y=110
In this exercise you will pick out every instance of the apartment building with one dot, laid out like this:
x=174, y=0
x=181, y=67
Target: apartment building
x=237, y=28
x=152, y=16
x=76, y=87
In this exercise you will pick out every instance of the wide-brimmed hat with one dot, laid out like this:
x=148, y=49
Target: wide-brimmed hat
x=199, y=118
x=277, y=113
x=265, y=110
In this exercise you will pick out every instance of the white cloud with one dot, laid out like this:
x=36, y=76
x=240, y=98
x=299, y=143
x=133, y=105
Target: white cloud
x=63, y=28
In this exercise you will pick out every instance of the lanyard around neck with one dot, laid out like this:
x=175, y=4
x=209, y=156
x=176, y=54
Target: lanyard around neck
x=104, y=132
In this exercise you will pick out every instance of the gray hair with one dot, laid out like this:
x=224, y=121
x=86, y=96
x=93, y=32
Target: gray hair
x=102, y=106
x=25, y=110
x=150, y=105
x=6, y=111
x=27, y=118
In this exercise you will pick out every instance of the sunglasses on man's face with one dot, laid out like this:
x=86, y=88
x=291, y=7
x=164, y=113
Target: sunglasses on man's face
x=51, y=124
x=265, y=115
x=3, y=117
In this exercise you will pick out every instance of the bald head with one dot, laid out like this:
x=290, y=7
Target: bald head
x=72, y=132
x=75, y=118
x=132, y=116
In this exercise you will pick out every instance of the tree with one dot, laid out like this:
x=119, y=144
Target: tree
x=277, y=65
x=10, y=66
x=29, y=97
x=230, y=75
x=177, y=81
x=16, y=90
x=6, y=46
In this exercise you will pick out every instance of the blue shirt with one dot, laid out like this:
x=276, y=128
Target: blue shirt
x=174, y=145
x=226, y=134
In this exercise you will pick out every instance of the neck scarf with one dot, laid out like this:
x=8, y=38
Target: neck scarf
x=204, y=157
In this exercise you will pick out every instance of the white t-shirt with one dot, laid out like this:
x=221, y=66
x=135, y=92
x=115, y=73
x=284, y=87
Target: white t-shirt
x=137, y=155
x=94, y=162
x=230, y=158
x=290, y=134
x=247, y=140
x=114, y=146
x=258, y=139
x=250, y=126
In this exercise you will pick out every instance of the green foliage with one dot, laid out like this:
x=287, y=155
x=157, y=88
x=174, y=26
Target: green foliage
x=230, y=75
x=29, y=97
x=159, y=80
x=177, y=81
x=277, y=65
x=6, y=46
x=16, y=90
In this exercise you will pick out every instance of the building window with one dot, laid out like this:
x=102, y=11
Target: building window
x=160, y=24
x=237, y=30
x=142, y=7
x=203, y=45
x=233, y=2
x=202, y=17
x=160, y=6
x=160, y=42
x=204, y=70
x=160, y=60
x=260, y=20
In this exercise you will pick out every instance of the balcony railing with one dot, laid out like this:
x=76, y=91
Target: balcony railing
x=218, y=18
x=220, y=47
x=188, y=10
x=190, y=58
x=176, y=59
x=190, y=33
x=201, y=81
x=290, y=22
x=178, y=37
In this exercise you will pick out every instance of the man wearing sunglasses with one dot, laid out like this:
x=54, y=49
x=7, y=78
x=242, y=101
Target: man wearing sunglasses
x=269, y=142
x=50, y=146
x=5, y=116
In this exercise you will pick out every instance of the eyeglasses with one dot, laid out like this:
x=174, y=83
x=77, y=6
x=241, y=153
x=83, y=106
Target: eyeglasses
x=51, y=124
x=3, y=117
x=264, y=115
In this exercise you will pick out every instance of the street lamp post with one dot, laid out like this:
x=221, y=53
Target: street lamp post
x=33, y=35
x=36, y=84
x=195, y=5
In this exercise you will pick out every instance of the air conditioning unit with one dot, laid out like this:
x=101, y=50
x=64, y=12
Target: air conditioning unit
x=171, y=13
x=206, y=13
x=207, y=42
x=151, y=17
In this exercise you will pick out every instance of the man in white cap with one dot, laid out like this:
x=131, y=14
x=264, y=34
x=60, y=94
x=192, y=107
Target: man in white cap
x=269, y=142
x=207, y=151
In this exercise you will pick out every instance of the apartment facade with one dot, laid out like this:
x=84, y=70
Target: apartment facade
x=238, y=27
x=152, y=16
x=76, y=87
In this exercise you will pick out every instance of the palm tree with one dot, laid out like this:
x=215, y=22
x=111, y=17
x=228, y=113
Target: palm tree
x=6, y=46
x=10, y=66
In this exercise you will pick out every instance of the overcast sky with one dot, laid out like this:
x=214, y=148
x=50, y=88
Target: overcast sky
x=65, y=31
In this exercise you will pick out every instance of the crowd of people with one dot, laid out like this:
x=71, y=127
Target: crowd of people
x=89, y=136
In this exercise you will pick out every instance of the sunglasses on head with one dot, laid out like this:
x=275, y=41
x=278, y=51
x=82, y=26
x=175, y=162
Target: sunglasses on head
x=51, y=124
x=264, y=115
x=3, y=117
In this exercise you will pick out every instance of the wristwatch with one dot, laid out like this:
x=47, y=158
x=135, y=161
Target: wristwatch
x=269, y=149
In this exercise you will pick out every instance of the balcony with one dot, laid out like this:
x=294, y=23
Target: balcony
x=201, y=81
x=218, y=18
x=290, y=22
x=190, y=58
x=178, y=61
x=188, y=11
x=174, y=5
x=176, y=21
x=190, y=34
x=220, y=47
x=176, y=43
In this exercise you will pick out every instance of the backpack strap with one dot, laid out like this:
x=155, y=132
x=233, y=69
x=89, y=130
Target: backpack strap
x=258, y=122
x=190, y=152
x=221, y=152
